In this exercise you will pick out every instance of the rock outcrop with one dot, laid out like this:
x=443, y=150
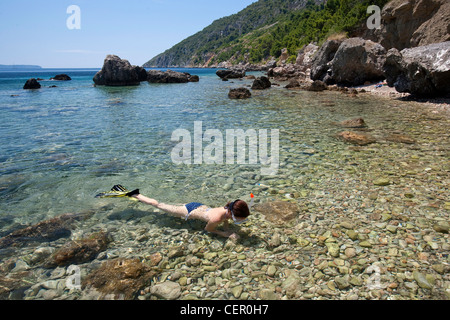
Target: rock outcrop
x=321, y=63
x=32, y=84
x=423, y=71
x=413, y=23
x=305, y=57
x=169, y=76
x=357, y=61
x=119, y=72
x=351, y=62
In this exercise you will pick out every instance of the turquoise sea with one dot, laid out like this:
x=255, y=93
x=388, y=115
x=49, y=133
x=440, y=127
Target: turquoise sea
x=62, y=145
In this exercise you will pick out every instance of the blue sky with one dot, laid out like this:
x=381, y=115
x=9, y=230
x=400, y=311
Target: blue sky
x=35, y=32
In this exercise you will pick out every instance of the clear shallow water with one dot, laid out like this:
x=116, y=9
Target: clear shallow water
x=61, y=146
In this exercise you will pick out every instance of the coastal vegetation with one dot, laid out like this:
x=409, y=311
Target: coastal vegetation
x=260, y=32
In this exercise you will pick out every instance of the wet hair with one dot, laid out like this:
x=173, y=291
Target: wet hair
x=240, y=209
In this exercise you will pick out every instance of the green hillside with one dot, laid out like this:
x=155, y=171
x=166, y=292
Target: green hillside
x=263, y=29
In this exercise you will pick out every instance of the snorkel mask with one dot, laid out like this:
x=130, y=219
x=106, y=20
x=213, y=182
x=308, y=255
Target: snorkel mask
x=236, y=221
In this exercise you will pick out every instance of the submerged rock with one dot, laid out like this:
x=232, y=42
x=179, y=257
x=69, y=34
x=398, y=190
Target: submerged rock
x=80, y=251
x=401, y=138
x=167, y=290
x=442, y=226
x=356, y=138
x=422, y=281
x=48, y=230
x=120, y=277
x=278, y=212
x=239, y=93
x=32, y=84
x=420, y=71
x=353, y=123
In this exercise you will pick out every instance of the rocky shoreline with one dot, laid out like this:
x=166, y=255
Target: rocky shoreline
x=356, y=63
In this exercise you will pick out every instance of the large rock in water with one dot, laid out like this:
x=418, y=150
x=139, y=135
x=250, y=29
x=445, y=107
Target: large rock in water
x=420, y=71
x=357, y=61
x=169, y=76
x=118, y=72
x=61, y=77
x=231, y=74
x=32, y=84
x=239, y=93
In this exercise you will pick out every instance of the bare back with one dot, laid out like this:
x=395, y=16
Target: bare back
x=207, y=214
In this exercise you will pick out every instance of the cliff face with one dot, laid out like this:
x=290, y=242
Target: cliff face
x=413, y=23
x=262, y=31
x=200, y=48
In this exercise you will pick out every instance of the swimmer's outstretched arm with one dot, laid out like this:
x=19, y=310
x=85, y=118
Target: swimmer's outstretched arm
x=211, y=227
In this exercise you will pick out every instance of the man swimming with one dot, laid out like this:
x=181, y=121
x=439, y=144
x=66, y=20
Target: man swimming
x=237, y=211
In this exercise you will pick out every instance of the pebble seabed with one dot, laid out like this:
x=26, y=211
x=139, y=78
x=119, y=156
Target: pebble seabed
x=372, y=224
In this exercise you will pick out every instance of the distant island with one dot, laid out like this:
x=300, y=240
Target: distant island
x=4, y=67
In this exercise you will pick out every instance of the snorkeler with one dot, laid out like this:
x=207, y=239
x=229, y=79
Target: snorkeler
x=237, y=211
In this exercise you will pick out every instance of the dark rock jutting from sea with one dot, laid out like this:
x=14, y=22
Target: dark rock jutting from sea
x=119, y=72
x=61, y=77
x=32, y=84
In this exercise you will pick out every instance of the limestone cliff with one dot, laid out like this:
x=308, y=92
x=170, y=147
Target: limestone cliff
x=413, y=23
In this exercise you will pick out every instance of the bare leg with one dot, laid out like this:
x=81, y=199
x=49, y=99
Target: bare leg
x=177, y=211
